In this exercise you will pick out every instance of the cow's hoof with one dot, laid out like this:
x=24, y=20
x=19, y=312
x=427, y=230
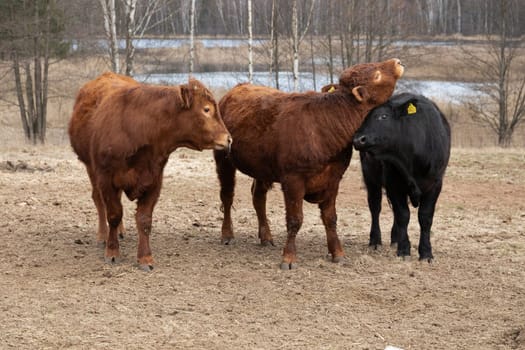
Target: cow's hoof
x=406, y=258
x=227, y=241
x=402, y=251
x=429, y=259
x=288, y=266
x=146, y=267
x=112, y=260
x=267, y=243
x=121, y=235
x=339, y=259
x=375, y=245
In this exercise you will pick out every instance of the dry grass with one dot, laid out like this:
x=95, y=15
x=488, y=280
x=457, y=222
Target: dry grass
x=423, y=62
x=57, y=293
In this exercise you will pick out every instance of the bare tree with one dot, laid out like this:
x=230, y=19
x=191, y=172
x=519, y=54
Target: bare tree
x=110, y=29
x=130, y=7
x=274, y=50
x=32, y=33
x=501, y=107
x=458, y=19
x=136, y=26
x=192, y=35
x=250, y=42
x=297, y=38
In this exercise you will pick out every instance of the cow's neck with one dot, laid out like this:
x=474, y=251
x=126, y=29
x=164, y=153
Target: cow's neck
x=341, y=126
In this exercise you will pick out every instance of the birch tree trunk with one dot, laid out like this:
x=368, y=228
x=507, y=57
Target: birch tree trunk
x=458, y=5
x=250, y=42
x=110, y=28
x=296, y=40
x=274, y=51
x=295, y=46
x=129, y=9
x=192, y=35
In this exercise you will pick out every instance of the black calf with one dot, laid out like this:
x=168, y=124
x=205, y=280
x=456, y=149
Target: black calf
x=404, y=147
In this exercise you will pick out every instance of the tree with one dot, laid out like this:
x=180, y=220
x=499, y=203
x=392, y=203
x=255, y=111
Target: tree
x=32, y=33
x=297, y=38
x=134, y=27
x=501, y=105
x=110, y=29
x=274, y=41
x=192, y=35
x=250, y=42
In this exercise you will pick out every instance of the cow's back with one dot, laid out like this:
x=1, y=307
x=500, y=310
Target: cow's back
x=88, y=99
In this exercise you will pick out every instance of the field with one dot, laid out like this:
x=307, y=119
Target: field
x=57, y=292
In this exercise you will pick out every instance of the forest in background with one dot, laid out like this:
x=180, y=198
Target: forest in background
x=329, y=17
x=49, y=47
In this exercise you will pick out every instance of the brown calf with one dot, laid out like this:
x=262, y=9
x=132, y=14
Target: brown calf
x=124, y=132
x=301, y=140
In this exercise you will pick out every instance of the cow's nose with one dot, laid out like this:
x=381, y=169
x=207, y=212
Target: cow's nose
x=230, y=140
x=361, y=140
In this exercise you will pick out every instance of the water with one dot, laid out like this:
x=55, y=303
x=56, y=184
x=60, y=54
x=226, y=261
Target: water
x=146, y=43
x=453, y=92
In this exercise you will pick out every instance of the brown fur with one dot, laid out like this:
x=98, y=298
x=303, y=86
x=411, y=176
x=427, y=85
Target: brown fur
x=124, y=132
x=301, y=140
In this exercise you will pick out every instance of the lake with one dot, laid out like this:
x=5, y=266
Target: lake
x=454, y=92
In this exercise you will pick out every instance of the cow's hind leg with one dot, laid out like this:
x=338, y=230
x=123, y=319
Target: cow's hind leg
x=114, y=217
x=96, y=195
x=329, y=217
x=143, y=218
x=121, y=229
x=226, y=173
x=425, y=216
x=259, y=191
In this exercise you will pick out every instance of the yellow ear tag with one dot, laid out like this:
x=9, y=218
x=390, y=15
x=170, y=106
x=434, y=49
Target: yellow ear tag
x=332, y=89
x=411, y=109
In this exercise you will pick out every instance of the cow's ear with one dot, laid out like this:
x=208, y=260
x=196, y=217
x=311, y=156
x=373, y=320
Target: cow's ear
x=186, y=94
x=330, y=88
x=405, y=104
x=360, y=93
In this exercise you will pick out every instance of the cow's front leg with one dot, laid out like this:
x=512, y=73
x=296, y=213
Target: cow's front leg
x=401, y=219
x=259, y=191
x=226, y=174
x=143, y=218
x=293, y=190
x=329, y=217
x=374, y=197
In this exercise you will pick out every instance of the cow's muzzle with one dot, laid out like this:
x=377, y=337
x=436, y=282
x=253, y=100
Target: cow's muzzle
x=225, y=144
x=361, y=142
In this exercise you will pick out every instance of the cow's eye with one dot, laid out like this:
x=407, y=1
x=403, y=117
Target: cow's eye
x=206, y=109
x=382, y=117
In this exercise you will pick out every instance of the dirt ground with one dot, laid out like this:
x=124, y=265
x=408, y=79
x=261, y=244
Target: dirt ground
x=57, y=292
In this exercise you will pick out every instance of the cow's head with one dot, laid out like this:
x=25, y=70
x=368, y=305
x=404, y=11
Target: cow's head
x=372, y=83
x=203, y=124
x=386, y=126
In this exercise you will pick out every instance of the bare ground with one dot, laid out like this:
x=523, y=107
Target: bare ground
x=57, y=292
